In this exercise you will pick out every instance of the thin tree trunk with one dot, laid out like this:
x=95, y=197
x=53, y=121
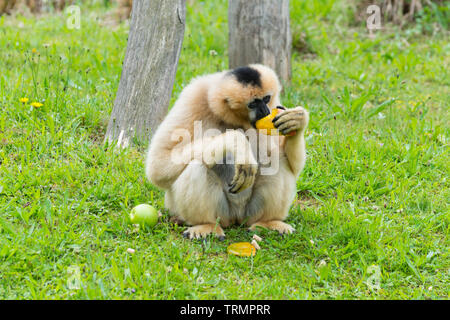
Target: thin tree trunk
x=259, y=32
x=154, y=45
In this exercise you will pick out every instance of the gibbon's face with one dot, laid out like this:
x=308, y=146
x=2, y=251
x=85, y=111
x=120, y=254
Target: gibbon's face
x=258, y=109
x=247, y=94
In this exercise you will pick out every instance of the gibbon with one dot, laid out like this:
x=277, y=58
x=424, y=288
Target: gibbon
x=209, y=194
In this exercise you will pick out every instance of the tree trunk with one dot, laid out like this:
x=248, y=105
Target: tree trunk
x=259, y=32
x=154, y=45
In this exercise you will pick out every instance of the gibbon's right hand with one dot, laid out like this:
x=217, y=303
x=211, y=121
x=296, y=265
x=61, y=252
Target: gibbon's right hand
x=244, y=176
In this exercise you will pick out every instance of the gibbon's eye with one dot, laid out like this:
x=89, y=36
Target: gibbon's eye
x=266, y=99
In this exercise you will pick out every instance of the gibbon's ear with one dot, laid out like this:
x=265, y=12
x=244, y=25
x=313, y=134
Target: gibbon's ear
x=229, y=93
x=227, y=99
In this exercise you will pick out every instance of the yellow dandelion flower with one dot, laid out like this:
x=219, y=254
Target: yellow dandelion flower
x=34, y=50
x=24, y=100
x=36, y=104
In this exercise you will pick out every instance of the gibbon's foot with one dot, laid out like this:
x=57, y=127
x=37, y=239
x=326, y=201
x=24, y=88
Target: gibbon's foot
x=277, y=225
x=244, y=176
x=291, y=120
x=203, y=230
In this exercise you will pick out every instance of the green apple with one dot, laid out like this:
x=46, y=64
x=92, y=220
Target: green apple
x=144, y=214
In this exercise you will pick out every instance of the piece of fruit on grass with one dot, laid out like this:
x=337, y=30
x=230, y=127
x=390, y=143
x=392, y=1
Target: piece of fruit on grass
x=144, y=214
x=244, y=249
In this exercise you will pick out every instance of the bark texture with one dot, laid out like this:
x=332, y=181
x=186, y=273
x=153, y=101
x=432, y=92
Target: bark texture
x=259, y=32
x=154, y=45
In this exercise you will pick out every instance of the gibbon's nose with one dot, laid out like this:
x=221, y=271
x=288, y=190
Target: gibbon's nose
x=266, y=111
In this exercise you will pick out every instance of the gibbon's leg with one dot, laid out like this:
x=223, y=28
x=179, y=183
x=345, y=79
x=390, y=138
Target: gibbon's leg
x=197, y=198
x=277, y=225
x=271, y=200
x=166, y=162
x=200, y=195
x=274, y=194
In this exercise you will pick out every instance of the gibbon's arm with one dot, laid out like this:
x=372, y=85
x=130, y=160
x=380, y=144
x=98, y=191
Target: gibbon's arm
x=159, y=168
x=167, y=160
x=294, y=146
x=294, y=149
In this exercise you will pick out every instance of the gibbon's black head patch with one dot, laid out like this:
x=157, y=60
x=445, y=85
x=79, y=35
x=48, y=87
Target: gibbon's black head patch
x=247, y=76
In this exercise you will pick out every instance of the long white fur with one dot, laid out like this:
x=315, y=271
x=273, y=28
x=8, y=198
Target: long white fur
x=194, y=193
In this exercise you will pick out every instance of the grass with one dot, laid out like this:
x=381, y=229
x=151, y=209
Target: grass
x=372, y=214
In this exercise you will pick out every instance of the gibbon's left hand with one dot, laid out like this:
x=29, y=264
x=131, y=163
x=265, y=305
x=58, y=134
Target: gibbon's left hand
x=291, y=120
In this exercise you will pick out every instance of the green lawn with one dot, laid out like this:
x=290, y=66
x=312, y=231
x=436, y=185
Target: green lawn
x=375, y=190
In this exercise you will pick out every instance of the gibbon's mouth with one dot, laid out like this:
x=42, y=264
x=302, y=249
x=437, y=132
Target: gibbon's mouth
x=254, y=117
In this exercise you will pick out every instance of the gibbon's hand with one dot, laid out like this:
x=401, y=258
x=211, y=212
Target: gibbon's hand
x=291, y=120
x=244, y=176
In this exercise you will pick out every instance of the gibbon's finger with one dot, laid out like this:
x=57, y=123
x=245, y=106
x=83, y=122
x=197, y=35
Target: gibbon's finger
x=235, y=177
x=280, y=226
x=286, y=116
x=232, y=188
x=289, y=114
x=242, y=184
x=235, y=188
x=202, y=232
x=195, y=235
x=247, y=183
x=251, y=180
x=189, y=235
x=245, y=179
x=288, y=131
x=290, y=124
x=237, y=181
x=281, y=114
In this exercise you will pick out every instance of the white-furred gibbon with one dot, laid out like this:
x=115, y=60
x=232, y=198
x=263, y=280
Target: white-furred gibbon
x=225, y=184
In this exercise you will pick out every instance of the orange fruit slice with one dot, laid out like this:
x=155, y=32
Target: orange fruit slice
x=267, y=124
x=243, y=249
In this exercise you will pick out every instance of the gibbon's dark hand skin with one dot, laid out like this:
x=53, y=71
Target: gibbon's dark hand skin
x=215, y=180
